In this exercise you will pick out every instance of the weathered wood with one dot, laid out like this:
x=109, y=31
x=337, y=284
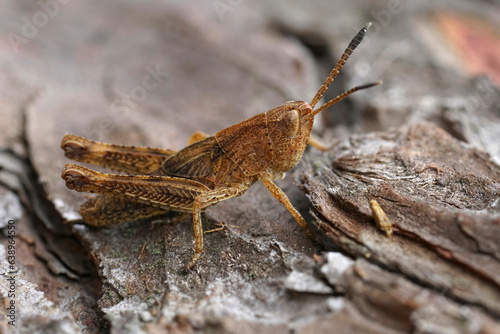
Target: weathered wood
x=441, y=195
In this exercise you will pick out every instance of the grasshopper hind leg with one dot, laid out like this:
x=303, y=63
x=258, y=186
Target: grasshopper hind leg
x=105, y=211
x=128, y=159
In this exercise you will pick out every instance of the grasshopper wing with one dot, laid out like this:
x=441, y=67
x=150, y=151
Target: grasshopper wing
x=196, y=160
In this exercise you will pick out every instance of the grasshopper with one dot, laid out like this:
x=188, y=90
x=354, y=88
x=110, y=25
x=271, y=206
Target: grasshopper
x=209, y=170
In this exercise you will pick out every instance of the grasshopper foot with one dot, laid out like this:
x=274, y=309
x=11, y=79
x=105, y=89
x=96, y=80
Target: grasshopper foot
x=193, y=262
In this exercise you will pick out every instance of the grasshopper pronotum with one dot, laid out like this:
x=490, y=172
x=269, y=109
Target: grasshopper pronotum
x=209, y=170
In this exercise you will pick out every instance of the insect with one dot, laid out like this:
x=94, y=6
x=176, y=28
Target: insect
x=209, y=170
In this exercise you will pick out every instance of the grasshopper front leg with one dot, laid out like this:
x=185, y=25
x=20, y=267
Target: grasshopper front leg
x=317, y=144
x=280, y=195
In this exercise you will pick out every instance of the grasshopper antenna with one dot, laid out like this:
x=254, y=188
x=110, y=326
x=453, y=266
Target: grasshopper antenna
x=333, y=74
x=343, y=96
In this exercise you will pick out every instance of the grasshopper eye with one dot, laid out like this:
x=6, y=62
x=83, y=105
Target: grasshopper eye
x=289, y=123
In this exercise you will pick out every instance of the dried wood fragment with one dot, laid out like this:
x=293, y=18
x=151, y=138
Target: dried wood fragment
x=381, y=219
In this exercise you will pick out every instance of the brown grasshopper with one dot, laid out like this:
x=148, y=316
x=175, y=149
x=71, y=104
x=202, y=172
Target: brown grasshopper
x=209, y=170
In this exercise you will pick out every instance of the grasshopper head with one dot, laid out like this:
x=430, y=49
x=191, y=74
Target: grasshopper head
x=290, y=124
x=289, y=127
